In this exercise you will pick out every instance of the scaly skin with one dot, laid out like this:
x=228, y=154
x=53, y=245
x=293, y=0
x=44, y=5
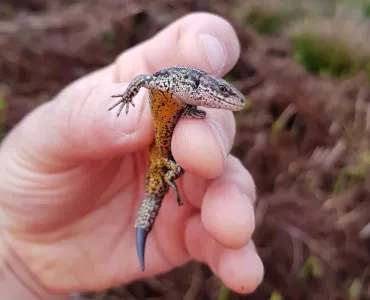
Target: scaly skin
x=173, y=93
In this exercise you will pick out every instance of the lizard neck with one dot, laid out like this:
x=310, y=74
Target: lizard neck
x=166, y=112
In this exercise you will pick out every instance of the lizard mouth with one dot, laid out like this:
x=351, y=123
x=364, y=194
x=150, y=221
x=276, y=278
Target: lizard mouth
x=232, y=105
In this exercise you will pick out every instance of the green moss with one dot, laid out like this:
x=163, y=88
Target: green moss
x=109, y=36
x=275, y=295
x=265, y=21
x=229, y=77
x=276, y=127
x=6, y=11
x=248, y=105
x=366, y=10
x=223, y=293
x=354, y=291
x=352, y=174
x=311, y=268
x=332, y=55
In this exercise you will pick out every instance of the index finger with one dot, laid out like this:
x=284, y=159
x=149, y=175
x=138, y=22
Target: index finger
x=199, y=40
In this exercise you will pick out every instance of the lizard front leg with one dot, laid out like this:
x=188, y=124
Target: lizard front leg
x=174, y=172
x=132, y=90
x=191, y=111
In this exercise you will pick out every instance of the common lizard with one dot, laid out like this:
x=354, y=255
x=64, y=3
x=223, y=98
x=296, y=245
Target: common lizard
x=173, y=93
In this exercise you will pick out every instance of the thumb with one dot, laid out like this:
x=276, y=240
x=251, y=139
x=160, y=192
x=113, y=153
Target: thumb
x=77, y=126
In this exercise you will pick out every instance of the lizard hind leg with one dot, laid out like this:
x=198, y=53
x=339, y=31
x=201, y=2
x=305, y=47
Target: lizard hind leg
x=173, y=185
x=174, y=172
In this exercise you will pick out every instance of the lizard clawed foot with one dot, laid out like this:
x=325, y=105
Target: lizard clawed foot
x=173, y=185
x=174, y=172
x=192, y=112
x=123, y=101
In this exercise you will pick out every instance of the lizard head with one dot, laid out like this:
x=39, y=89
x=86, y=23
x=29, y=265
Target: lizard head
x=216, y=92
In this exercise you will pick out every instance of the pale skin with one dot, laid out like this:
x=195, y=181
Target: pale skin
x=73, y=177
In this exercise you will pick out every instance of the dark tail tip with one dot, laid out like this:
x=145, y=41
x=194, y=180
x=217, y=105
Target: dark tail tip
x=141, y=235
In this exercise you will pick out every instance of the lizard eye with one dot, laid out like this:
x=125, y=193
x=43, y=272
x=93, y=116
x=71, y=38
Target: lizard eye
x=222, y=88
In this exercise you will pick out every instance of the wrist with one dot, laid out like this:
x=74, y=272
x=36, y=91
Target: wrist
x=16, y=281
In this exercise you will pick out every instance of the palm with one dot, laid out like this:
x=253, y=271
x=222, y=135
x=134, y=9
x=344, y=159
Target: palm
x=95, y=227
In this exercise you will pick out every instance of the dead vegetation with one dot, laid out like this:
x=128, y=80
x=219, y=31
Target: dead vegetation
x=305, y=140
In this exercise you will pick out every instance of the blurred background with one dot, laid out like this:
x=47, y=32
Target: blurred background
x=304, y=137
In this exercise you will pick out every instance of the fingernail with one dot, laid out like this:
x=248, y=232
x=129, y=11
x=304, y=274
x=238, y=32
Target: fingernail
x=220, y=135
x=214, y=51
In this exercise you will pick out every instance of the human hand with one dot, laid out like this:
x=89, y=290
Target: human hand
x=73, y=176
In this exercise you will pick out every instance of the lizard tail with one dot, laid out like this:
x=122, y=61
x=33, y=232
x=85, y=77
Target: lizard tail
x=141, y=235
x=144, y=223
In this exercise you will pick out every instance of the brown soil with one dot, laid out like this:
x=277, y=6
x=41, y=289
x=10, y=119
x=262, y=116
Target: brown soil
x=301, y=134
